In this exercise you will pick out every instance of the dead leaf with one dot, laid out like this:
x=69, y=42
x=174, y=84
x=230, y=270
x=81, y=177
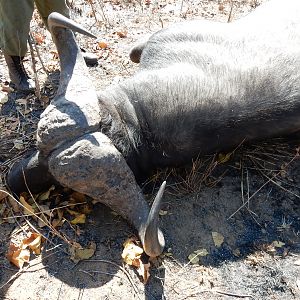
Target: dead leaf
x=18, y=144
x=59, y=220
x=44, y=208
x=6, y=89
x=132, y=256
x=194, y=257
x=17, y=255
x=80, y=219
x=143, y=271
x=72, y=212
x=132, y=253
x=3, y=99
x=45, y=196
x=77, y=197
x=278, y=244
x=28, y=209
x=54, y=54
x=3, y=193
x=86, y=209
x=79, y=253
x=102, y=45
x=38, y=37
x=33, y=241
x=121, y=34
x=22, y=101
x=236, y=252
x=223, y=158
x=163, y=212
x=217, y=238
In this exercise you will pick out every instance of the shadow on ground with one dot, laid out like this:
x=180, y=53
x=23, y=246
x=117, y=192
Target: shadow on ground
x=247, y=262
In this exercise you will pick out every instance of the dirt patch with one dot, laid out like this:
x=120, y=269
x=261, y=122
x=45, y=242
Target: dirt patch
x=251, y=201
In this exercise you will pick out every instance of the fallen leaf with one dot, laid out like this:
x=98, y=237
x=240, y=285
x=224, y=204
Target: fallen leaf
x=217, y=238
x=80, y=219
x=236, y=252
x=18, y=144
x=7, y=89
x=102, y=45
x=3, y=99
x=163, y=212
x=278, y=244
x=21, y=101
x=201, y=252
x=44, y=208
x=45, y=196
x=79, y=253
x=3, y=193
x=28, y=209
x=33, y=242
x=38, y=37
x=194, y=257
x=77, y=197
x=54, y=54
x=86, y=209
x=223, y=158
x=132, y=253
x=143, y=271
x=132, y=256
x=59, y=220
x=121, y=34
x=17, y=255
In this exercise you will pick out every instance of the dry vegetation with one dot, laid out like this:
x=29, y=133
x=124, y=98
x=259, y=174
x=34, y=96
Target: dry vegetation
x=231, y=220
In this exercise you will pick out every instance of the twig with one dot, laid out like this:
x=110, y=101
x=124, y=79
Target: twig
x=60, y=288
x=47, y=223
x=103, y=14
x=230, y=13
x=233, y=294
x=98, y=272
x=121, y=268
x=220, y=293
x=37, y=84
x=274, y=182
x=93, y=9
x=263, y=185
x=38, y=54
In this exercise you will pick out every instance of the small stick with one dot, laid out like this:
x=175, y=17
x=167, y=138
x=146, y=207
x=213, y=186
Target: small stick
x=271, y=179
x=37, y=84
x=38, y=54
x=119, y=267
x=230, y=13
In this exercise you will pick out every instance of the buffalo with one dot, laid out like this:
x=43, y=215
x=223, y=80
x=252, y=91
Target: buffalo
x=201, y=87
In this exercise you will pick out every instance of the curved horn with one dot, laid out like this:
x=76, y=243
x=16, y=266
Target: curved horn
x=154, y=241
x=75, y=109
x=57, y=20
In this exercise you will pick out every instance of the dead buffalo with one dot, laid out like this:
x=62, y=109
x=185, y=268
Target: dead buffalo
x=202, y=87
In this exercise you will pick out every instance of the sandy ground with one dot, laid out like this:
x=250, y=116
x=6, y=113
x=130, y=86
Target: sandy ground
x=252, y=200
